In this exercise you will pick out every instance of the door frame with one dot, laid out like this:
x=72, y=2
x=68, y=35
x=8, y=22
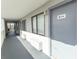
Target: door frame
x=50, y=21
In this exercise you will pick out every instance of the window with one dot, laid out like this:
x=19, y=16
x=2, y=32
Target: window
x=34, y=25
x=20, y=25
x=24, y=25
x=38, y=24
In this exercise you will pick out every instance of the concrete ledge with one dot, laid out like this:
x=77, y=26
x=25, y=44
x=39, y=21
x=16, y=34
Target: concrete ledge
x=34, y=52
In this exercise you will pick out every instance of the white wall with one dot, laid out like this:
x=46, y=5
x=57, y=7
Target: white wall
x=2, y=31
x=63, y=51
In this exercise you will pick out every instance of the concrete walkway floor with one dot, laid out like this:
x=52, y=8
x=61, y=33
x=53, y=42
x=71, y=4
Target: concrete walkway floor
x=13, y=49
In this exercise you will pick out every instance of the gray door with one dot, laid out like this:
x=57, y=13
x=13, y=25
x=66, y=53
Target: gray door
x=63, y=23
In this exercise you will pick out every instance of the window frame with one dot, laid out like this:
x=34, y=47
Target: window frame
x=37, y=23
x=24, y=25
x=32, y=25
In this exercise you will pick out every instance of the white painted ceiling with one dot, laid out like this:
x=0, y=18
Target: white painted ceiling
x=15, y=9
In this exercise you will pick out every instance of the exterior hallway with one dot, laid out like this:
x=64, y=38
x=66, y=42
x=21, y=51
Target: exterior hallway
x=13, y=49
x=38, y=29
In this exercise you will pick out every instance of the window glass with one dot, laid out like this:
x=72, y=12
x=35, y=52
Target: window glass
x=40, y=19
x=34, y=25
x=24, y=24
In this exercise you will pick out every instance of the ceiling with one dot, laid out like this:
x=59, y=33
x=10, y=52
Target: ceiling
x=16, y=9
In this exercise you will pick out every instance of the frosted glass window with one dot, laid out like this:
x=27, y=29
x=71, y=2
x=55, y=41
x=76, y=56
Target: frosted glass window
x=34, y=25
x=40, y=19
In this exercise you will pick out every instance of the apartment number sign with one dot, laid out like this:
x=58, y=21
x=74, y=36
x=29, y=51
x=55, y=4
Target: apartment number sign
x=61, y=16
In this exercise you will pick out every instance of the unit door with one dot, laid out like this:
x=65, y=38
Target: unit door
x=63, y=23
